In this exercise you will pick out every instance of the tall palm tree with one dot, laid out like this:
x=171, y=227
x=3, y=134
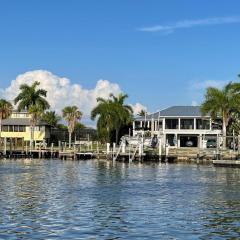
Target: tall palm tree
x=51, y=118
x=142, y=113
x=123, y=112
x=72, y=115
x=5, y=111
x=30, y=95
x=221, y=102
x=36, y=113
x=34, y=101
x=105, y=113
x=112, y=114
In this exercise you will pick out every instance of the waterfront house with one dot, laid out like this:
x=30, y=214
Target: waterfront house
x=179, y=126
x=16, y=129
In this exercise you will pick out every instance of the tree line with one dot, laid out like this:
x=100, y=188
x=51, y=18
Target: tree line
x=111, y=114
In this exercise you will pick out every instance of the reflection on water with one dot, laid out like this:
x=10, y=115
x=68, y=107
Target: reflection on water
x=54, y=199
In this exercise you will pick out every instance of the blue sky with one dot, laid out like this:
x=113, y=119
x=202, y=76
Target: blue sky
x=159, y=52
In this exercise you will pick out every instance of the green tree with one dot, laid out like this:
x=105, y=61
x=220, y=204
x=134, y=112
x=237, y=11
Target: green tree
x=36, y=113
x=105, y=115
x=51, y=118
x=221, y=102
x=5, y=111
x=142, y=113
x=123, y=112
x=30, y=96
x=33, y=100
x=72, y=115
x=111, y=114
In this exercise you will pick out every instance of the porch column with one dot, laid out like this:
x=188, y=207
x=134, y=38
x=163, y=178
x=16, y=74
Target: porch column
x=133, y=125
x=194, y=124
x=179, y=123
x=200, y=144
x=163, y=124
x=178, y=141
x=152, y=127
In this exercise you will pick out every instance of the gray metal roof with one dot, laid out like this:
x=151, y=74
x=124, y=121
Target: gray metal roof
x=175, y=111
x=21, y=122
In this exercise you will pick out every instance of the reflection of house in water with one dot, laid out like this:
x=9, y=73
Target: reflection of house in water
x=179, y=126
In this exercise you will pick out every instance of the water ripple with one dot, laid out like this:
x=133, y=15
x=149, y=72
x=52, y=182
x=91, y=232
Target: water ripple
x=54, y=199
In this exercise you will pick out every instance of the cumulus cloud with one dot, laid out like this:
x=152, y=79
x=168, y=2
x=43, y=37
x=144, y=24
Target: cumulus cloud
x=190, y=23
x=61, y=92
x=137, y=108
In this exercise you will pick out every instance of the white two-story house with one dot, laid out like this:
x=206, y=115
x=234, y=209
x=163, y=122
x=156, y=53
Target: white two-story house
x=179, y=126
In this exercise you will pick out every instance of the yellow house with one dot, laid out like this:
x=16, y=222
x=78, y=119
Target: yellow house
x=17, y=128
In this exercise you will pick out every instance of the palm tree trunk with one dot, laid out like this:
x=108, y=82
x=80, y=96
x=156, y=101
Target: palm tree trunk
x=70, y=139
x=117, y=133
x=224, y=129
x=31, y=137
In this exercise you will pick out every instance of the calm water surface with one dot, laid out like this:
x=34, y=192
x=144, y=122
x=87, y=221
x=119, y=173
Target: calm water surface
x=54, y=199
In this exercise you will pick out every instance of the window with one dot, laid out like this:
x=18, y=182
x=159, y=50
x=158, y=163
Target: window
x=15, y=128
x=10, y=128
x=187, y=124
x=171, y=123
x=159, y=125
x=22, y=128
x=5, y=128
x=137, y=125
x=203, y=124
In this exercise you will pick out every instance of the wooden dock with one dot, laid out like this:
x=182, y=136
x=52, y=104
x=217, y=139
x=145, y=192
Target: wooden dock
x=227, y=163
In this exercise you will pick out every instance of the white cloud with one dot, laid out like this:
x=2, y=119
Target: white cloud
x=61, y=92
x=137, y=108
x=167, y=29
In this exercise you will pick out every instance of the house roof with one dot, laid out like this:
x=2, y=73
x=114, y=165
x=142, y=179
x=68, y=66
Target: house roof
x=21, y=122
x=175, y=111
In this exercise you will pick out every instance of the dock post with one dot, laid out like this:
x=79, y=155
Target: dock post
x=167, y=151
x=26, y=149
x=114, y=149
x=74, y=152
x=51, y=150
x=11, y=147
x=160, y=149
x=129, y=153
x=108, y=148
x=5, y=146
x=140, y=150
x=97, y=150
x=124, y=147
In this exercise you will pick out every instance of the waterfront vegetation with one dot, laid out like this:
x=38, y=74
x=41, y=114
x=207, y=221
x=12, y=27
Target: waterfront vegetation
x=72, y=115
x=5, y=111
x=224, y=103
x=51, y=118
x=113, y=116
